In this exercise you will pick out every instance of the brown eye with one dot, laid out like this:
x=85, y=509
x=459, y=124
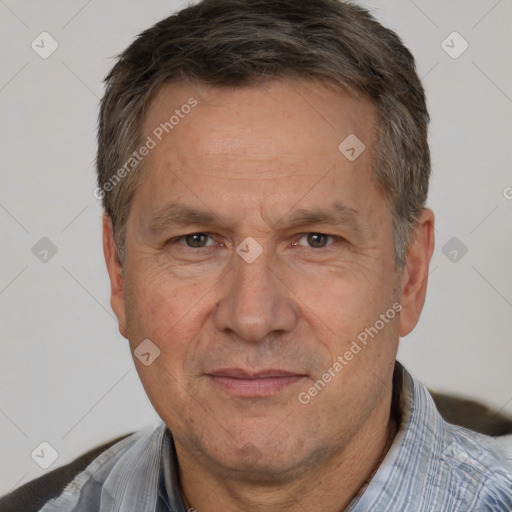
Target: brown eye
x=317, y=240
x=196, y=240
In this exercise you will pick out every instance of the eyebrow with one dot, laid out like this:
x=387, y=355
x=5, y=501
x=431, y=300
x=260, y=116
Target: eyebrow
x=179, y=214
x=337, y=213
x=182, y=215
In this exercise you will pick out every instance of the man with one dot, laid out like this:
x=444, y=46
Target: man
x=264, y=171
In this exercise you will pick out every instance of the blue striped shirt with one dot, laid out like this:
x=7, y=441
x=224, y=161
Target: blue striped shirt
x=432, y=466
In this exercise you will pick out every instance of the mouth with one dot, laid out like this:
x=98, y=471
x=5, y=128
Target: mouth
x=243, y=383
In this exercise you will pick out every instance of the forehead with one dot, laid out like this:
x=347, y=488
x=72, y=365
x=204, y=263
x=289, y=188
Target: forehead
x=309, y=118
x=255, y=144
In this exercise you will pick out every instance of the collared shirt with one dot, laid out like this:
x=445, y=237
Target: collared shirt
x=432, y=466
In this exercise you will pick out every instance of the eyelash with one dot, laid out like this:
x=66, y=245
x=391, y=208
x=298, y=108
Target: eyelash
x=332, y=237
x=179, y=239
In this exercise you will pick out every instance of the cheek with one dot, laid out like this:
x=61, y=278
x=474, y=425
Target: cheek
x=170, y=315
x=158, y=298
x=343, y=300
x=348, y=308
x=148, y=313
x=170, y=312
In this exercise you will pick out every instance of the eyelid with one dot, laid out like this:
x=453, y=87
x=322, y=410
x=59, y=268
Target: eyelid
x=300, y=236
x=180, y=238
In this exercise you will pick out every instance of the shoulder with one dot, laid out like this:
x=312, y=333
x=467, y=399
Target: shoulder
x=438, y=463
x=481, y=464
x=477, y=440
x=33, y=495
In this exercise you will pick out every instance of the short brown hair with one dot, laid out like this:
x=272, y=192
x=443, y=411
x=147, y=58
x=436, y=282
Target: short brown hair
x=246, y=42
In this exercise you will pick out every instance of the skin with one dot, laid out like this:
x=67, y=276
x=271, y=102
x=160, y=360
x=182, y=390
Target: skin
x=251, y=157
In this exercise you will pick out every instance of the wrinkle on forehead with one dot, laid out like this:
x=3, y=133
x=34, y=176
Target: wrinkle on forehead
x=264, y=122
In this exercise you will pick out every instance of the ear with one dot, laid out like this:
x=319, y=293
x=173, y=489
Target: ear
x=114, y=269
x=415, y=274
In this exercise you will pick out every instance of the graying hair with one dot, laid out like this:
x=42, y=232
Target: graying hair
x=232, y=43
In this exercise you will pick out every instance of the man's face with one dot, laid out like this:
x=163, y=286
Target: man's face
x=244, y=333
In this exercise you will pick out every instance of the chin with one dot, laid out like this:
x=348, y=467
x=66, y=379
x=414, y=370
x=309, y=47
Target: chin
x=261, y=457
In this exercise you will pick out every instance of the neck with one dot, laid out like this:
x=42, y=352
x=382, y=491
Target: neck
x=333, y=482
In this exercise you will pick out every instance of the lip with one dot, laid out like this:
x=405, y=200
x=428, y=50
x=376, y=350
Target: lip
x=262, y=383
x=240, y=373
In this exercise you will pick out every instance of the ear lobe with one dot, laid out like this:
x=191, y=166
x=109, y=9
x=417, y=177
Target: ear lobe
x=415, y=274
x=114, y=269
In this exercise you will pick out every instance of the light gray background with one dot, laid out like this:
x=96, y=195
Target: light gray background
x=66, y=374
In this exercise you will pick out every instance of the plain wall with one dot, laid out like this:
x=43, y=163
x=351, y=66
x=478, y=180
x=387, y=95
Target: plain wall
x=67, y=377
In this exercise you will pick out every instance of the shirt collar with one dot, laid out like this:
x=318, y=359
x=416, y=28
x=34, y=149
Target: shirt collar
x=169, y=489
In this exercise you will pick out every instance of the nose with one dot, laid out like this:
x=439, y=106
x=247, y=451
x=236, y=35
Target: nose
x=254, y=301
